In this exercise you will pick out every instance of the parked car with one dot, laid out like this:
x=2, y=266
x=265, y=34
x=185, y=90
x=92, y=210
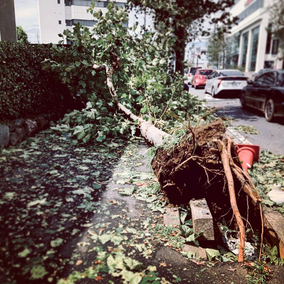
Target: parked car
x=228, y=82
x=200, y=77
x=191, y=73
x=266, y=93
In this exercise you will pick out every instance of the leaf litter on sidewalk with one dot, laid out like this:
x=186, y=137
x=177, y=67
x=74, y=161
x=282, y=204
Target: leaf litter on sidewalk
x=50, y=187
x=50, y=194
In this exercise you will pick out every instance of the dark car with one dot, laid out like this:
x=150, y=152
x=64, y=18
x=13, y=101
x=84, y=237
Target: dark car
x=266, y=94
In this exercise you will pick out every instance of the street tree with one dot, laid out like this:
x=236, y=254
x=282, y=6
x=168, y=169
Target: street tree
x=276, y=26
x=186, y=20
x=22, y=35
x=218, y=49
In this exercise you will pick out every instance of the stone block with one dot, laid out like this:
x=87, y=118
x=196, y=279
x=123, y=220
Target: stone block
x=274, y=228
x=200, y=253
x=171, y=217
x=202, y=219
x=4, y=135
x=17, y=136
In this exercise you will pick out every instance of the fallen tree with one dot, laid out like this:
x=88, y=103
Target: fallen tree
x=205, y=164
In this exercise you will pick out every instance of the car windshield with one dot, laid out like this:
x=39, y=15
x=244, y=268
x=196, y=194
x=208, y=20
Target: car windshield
x=231, y=73
x=205, y=72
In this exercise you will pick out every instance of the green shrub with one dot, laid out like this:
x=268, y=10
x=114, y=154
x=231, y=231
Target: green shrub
x=25, y=88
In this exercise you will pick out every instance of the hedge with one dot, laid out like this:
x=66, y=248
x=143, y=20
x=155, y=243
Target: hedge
x=26, y=89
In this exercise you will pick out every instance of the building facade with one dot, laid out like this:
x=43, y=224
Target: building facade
x=8, y=30
x=55, y=16
x=252, y=46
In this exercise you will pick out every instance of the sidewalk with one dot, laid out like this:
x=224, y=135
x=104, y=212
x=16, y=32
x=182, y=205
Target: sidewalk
x=125, y=238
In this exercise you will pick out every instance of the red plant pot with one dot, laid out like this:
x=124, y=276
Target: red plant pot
x=247, y=154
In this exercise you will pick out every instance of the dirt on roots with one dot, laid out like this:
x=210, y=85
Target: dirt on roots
x=194, y=170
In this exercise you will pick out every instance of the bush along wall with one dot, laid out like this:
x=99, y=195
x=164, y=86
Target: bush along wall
x=29, y=95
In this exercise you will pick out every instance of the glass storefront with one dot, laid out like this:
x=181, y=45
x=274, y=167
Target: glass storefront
x=255, y=36
x=244, y=49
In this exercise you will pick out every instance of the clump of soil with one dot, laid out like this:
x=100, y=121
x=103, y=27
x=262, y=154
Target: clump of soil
x=194, y=169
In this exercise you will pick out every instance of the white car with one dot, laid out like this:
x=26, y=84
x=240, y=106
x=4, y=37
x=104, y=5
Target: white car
x=228, y=82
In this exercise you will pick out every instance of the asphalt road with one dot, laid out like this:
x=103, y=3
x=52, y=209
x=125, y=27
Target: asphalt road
x=270, y=135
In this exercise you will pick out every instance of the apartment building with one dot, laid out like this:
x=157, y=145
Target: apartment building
x=57, y=15
x=253, y=48
x=8, y=30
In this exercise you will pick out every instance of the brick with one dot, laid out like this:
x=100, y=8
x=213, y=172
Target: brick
x=171, y=217
x=202, y=219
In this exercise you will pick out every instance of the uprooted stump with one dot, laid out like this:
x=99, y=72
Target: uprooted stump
x=206, y=165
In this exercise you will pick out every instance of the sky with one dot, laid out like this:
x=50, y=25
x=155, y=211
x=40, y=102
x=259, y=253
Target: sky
x=27, y=17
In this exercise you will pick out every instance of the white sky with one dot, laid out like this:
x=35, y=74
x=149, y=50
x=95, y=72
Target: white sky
x=27, y=16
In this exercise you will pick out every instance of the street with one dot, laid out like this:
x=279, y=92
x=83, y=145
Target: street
x=270, y=135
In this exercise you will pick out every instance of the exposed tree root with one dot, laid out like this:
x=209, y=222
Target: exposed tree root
x=226, y=163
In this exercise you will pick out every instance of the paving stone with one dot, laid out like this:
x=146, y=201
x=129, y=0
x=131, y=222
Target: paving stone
x=171, y=217
x=199, y=252
x=202, y=219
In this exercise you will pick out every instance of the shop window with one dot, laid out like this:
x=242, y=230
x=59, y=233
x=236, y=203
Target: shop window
x=255, y=36
x=268, y=41
x=275, y=45
x=244, y=49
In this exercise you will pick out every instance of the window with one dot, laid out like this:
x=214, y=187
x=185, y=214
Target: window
x=205, y=72
x=68, y=22
x=266, y=79
x=86, y=23
x=58, y=1
x=68, y=2
x=275, y=45
x=257, y=4
x=245, y=49
x=268, y=40
x=59, y=22
x=255, y=35
x=213, y=75
x=268, y=64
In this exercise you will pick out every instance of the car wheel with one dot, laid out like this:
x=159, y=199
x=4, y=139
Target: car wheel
x=269, y=110
x=213, y=92
x=243, y=101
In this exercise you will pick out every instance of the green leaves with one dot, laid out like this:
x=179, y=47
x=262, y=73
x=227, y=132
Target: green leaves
x=27, y=89
x=38, y=272
x=57, y=242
